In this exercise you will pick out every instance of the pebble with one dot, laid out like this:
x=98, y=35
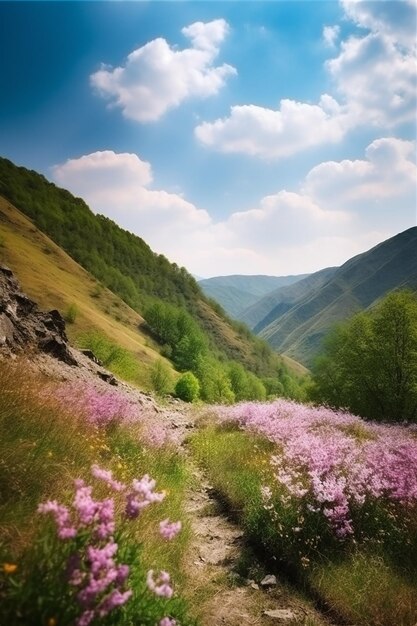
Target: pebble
x=269, y=581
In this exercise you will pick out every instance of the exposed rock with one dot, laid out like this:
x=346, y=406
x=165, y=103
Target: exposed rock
x=90, y=354
x=281, y=614
x=23, y=327
x=269, y=581
x=108, y=378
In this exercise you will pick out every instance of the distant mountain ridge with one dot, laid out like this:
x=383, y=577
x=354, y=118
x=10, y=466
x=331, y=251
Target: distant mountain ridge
x=238, y=292
x=282, y=299
x=358, y=284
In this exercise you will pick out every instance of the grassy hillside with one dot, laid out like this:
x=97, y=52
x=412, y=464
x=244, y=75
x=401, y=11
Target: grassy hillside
x=54, y=280
x=236, y=293
x=356, y=285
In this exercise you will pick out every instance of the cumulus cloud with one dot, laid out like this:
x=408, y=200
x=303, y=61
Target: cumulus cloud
x=377, y=79
x=117, y=185
x=341, y=209
x=388, y=172
x=375, y=83
x=394, y=19
x=158, y=77
x=271, y=133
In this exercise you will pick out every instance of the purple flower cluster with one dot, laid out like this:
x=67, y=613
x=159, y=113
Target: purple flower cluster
x=331, y=461
x=168, y=530
x=160, y=585
x=101, y=407
x=141, y=496
x=107, y=477
x=100, y=583
x=92, y=570
x=61, y=514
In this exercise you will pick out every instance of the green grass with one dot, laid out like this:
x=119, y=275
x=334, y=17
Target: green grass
x=367, y=590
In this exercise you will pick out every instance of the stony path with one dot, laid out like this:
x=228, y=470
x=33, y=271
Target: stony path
x=224, y=598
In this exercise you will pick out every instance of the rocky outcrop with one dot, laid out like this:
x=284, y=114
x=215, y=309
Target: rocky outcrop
x=23, y=327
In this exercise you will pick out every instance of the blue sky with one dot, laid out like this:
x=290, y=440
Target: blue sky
x=234, y=137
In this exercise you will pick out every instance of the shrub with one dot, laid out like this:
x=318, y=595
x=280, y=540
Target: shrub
x=187, y=387
x=71, y=313
x=161, y=377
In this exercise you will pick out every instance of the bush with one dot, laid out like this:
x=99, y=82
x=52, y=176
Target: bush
x=187, y=387
x=71, y=313
x=161, y=377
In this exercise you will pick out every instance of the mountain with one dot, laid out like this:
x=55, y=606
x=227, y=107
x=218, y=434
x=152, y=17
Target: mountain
x=355, y=286
x=238, y=292
x=282, y=299
x=47, y=230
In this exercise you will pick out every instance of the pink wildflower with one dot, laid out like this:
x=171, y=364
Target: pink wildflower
x=85, y=618
x=62, y=518
x=141, y=496
x=167, y=621
x=159, y=586
x=169, y=530
x=107, y=477
x=114, y=599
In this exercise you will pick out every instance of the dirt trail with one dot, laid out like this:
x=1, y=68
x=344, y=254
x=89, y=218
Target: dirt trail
x=224, y=597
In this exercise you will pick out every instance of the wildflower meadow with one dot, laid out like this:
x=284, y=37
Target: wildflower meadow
x=318, y=488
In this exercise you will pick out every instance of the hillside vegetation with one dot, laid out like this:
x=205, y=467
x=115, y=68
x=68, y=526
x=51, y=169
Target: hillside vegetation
x=126, y=265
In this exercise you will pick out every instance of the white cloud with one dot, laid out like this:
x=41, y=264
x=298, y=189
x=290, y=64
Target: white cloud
x=116, y=185
x=158, y=77
x=284, y=220
x=331, y=35
x=267, y=133
x=395, y=19
x=377, y=79
x=388, y=172
x=341, y=209
x=375, y=83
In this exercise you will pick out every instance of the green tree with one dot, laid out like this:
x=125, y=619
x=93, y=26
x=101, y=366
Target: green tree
x=256, y=388
x=187, y=387
x=214, y=382
x=370, y=363
x=239, y=380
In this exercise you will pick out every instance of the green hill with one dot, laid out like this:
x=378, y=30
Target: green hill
x=356, y=285
x=124, y=264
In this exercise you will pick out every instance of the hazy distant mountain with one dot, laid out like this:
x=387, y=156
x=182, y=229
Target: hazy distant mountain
x=238, y=292
x=356, y=285
x=277, y=302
